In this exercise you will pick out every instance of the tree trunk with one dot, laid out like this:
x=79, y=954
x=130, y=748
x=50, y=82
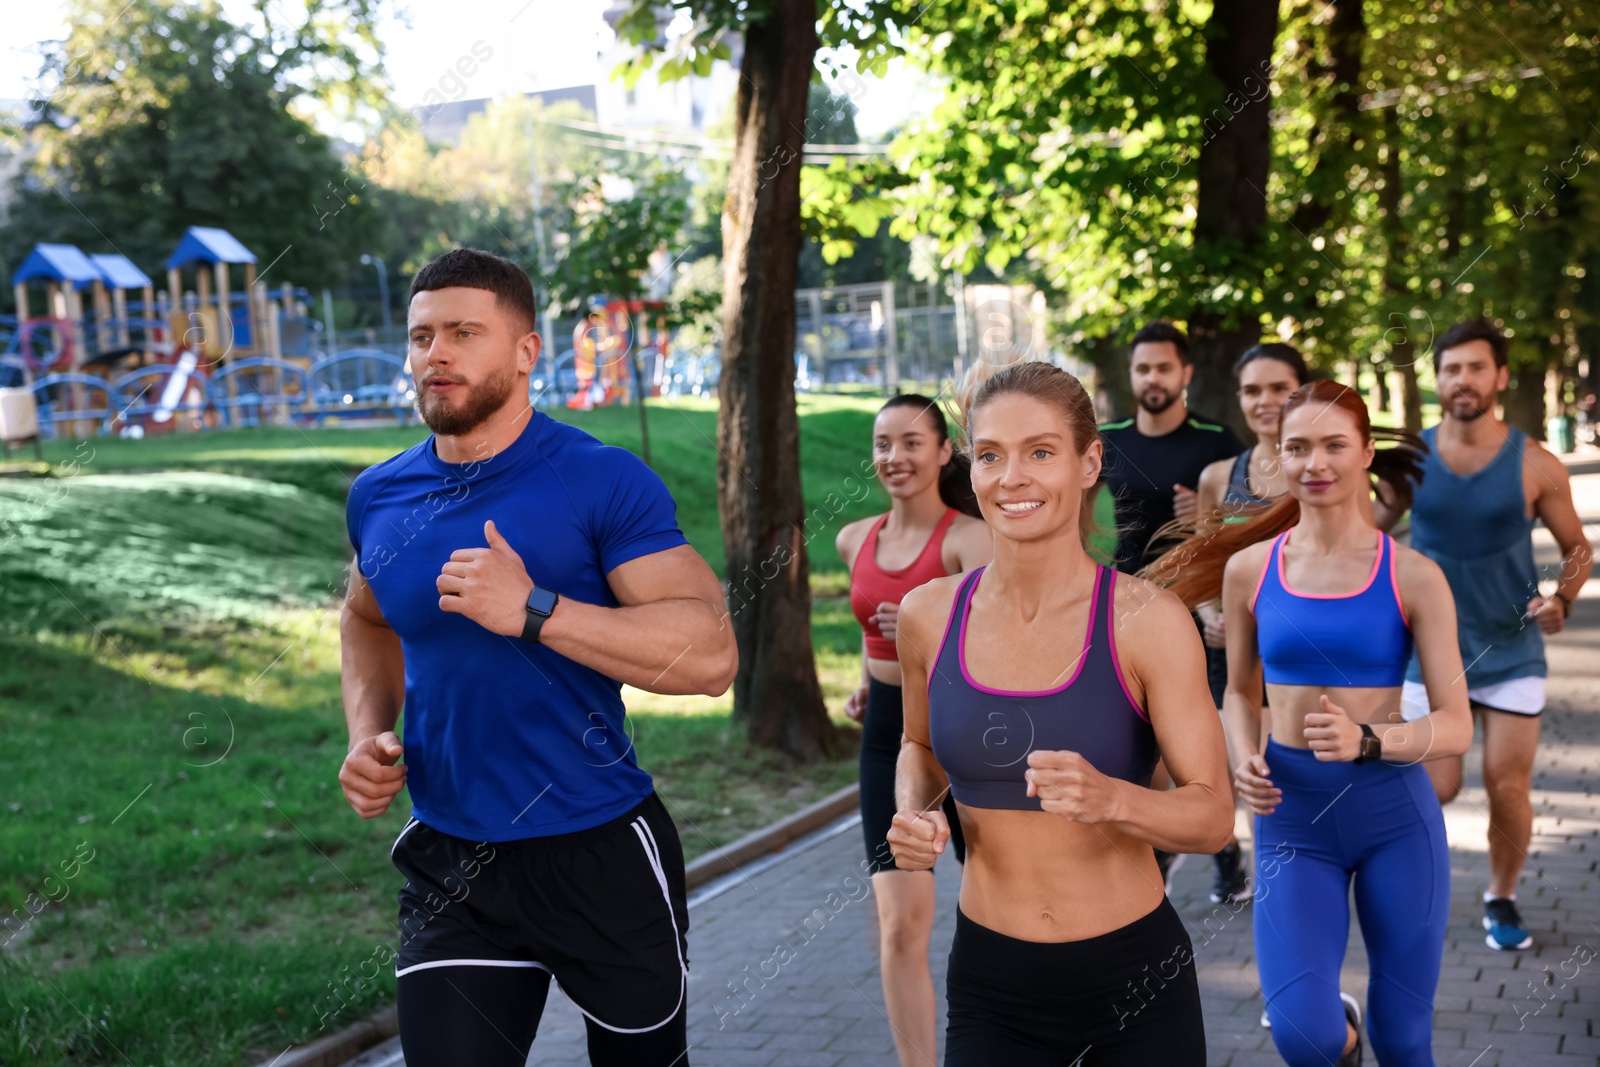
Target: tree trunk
x=1337, y=137
x=1552, y=250
x=1231, y=192
x=1113, y=394
x=1337, y=146
x=1403, y=349
x=1523, y=400
x=1410, y=389
x=776, y=694
x=640, y=392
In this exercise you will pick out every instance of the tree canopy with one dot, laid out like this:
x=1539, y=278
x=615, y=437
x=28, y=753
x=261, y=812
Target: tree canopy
x=1423, y=159
x=155, y=116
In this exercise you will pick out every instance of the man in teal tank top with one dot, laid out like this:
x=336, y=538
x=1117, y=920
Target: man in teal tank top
x=1484, y=485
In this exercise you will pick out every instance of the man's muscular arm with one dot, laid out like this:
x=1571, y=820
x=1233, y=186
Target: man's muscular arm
x=1555, y=509
x=670, y=633
x=372, y=681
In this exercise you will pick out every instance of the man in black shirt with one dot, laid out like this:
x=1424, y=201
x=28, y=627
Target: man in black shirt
x=1152, y=465
x=1153, y=460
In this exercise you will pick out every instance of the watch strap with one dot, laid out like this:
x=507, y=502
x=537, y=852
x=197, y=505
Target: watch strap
x=531, y=626
x=1367, y=734
x=540, y=606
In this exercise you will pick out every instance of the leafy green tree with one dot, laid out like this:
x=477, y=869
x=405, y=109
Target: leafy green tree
x=480, y=193
x=1355, y=174
x=1122, y=152
x=158, y=115
x=776, y=693
x=620, y=247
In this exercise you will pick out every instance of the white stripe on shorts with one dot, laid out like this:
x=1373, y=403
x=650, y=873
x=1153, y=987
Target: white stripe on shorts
x=469, y=963
x=652, y=853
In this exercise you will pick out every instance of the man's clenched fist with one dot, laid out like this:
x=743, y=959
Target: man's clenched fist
x=371, y=775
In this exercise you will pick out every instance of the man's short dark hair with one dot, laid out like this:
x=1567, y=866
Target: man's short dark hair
x=1476, y=330
x=472, y=268
x=1162, y=333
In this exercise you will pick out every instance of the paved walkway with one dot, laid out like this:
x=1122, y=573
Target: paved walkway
x=825, y=1006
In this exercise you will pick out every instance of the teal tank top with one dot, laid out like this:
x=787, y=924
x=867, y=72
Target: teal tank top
x=1477, y=529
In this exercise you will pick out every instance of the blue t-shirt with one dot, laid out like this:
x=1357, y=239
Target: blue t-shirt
x=505, y=740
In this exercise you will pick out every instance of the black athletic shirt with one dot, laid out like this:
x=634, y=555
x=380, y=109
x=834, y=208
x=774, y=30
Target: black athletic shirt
x=1140, y=471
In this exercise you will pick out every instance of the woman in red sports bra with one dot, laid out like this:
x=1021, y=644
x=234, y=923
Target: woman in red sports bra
x=923, y=536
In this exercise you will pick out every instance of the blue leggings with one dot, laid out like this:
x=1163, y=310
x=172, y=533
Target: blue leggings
x=1381, y=823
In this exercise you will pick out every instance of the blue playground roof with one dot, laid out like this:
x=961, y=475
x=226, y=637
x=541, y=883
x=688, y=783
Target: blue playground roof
x=58, y=263
x=118, y=271
x=207, y=244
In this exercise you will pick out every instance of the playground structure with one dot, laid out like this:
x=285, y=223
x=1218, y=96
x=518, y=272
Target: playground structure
x=620, y=351
x=101, y=350
x=223, y=353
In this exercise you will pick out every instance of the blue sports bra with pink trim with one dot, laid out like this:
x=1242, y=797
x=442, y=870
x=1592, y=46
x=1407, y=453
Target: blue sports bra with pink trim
x=982, y=736
x=1332, y=639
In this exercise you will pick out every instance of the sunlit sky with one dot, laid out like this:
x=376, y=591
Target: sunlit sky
x=536, y=44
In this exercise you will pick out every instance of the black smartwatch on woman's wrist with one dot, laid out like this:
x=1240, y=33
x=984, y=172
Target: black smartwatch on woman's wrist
x=1371, y=746
x=541, y=602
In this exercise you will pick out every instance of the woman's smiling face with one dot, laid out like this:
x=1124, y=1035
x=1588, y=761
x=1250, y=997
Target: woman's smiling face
x=1028, y=477
x=1325, y=455
x=906, y=450
x=1264, y=384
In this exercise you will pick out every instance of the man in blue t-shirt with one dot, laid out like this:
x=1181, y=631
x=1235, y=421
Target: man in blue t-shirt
x=511, y=574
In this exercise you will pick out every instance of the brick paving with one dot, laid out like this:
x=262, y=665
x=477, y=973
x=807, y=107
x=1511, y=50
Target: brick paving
x=824, y=1007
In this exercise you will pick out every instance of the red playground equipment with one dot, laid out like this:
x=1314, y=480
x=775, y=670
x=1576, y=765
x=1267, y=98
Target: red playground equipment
x=619, y=352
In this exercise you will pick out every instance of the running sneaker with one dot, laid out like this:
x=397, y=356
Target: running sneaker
x=1352, y=1012
x=1231, y=884
x=1504, y=923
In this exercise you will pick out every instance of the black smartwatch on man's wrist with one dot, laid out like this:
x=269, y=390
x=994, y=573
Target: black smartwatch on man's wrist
x=541, y=602
x=1371, y=746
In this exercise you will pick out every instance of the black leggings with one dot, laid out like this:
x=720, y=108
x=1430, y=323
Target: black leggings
x=488, y=1016
x=881, y=727
x=1124, y=999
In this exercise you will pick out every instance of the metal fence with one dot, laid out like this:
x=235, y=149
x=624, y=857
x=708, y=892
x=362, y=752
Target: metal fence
x=877, y=337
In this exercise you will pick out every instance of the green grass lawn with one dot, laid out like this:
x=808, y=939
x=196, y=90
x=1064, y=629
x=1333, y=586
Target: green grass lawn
x=169, y=696
x=170, y=702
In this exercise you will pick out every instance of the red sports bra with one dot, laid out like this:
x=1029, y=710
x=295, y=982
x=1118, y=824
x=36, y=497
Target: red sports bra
x=871, y=585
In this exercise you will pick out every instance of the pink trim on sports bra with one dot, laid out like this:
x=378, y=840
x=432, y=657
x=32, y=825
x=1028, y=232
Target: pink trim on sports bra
x=1394, y=581
x=1111, y=635
x=1261, y=579
x=950, y=620
x=1377, y=561
x=1083, y=656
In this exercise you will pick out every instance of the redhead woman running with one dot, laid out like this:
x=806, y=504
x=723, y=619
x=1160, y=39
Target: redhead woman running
x=1328, y=612
x=1040, y=691
x=924, y=535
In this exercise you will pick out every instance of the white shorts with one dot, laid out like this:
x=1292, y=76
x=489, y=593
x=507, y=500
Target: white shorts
x=1520, y=696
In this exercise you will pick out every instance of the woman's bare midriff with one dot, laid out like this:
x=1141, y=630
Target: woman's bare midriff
x=1040, y=877
x=1290, y=704
x=886, y=671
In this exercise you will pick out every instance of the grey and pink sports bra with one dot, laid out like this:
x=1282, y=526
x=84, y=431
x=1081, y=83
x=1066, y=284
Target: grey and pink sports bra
x=982, y=736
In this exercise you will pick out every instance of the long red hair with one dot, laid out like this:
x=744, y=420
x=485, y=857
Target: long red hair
x=1193, y=568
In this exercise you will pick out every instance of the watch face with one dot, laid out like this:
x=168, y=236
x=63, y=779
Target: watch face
x=1371, y=748
x=542, y=601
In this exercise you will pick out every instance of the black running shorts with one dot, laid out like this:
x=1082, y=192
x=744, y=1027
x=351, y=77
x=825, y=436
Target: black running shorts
x=603, y=911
